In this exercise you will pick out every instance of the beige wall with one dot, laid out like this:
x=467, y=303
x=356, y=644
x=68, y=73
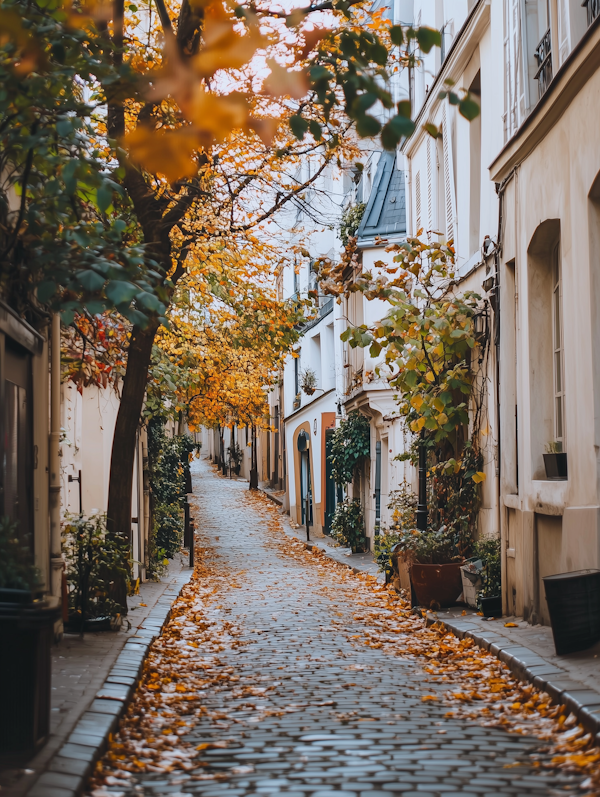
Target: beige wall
x=550, y=527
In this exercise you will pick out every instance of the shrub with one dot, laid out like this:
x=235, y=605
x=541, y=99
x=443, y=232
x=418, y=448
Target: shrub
x=17, y=570
x=431, y=547
x=348, y=525
x=95, y=561
x=488, y=550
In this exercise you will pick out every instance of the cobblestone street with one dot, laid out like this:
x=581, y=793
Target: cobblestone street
x=279, y=691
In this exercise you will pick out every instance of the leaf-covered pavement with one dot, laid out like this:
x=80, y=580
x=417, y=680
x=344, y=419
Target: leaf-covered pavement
x=283, y=672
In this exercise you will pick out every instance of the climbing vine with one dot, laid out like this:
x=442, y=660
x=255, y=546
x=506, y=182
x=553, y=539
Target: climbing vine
x=169, y=468
x=350, y=443
x=350, y=221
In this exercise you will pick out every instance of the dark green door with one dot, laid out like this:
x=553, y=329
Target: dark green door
x=329, y=484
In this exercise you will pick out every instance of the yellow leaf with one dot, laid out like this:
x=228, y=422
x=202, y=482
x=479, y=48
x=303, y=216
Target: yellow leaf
x=429, y=376
x=282, y=81
x=479, y=476
x=511, y=625
x=417, y=425
x=417, y=402
x=164, y=153
x=425, y=698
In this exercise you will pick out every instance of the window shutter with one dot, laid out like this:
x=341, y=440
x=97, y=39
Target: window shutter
x=449, y=181
x=429, y=186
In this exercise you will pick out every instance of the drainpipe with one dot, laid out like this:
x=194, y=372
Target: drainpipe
x=56, y=560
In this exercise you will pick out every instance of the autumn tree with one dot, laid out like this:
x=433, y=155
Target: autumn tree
x=139, y=134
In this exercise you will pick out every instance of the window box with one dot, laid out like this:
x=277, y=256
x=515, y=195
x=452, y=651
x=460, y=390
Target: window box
x=556, y=466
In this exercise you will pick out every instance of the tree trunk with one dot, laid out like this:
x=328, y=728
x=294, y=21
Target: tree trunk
x=124, y=441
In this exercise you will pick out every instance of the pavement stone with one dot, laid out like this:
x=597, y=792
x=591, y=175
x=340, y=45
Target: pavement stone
x=346, y=732
x=92, y=677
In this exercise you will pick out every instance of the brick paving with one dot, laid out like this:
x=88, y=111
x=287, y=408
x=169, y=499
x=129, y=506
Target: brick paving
x=331, y=718
x=79, y=668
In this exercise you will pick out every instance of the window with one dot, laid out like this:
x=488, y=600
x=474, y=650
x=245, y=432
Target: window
x=557, y=345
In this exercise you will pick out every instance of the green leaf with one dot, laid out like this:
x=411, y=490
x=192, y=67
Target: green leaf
x=468, y=108
x=120, y=292
x=46, y=290
x=433, y=131
x=149, y=301
x=64, y=127
x=396, y=35
x=428, y=38
x=104, y=198
x=315, y=129
x=395, y=130
x=298, y=126
x=367, y=126
x=90, y=280
x=405, y=109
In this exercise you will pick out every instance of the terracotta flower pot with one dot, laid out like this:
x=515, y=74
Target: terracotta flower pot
x=436, y=585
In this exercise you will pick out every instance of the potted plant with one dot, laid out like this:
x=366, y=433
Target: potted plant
x=490, y=595
x=94, y=561
x=434, y=564
x=19, y=578
x=348, y=525
x=236, y=455
x=555, y=461
x=308, y=381
x=27, y=631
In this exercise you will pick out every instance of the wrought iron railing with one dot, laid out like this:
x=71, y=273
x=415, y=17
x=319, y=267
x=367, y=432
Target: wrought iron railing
x=326, y=305
x=543, y=56
x=593, y=10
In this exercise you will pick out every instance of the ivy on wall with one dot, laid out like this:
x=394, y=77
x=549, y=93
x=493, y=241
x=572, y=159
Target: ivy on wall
x=351, y=442
x=168, y=461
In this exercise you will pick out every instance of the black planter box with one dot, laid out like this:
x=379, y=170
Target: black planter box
x=574, y=604
x=492, y=607
x=556, y=466
x=26, y=634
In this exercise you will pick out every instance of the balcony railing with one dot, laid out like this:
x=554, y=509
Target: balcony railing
x=543, y=56
x=593, y=10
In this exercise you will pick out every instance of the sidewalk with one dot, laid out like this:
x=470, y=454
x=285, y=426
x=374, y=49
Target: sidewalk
x=528, y=651
x=80, y=669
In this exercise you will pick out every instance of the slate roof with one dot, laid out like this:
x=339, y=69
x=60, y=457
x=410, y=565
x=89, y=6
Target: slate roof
x=385, y=214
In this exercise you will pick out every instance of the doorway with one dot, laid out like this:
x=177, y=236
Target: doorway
x=305, y=488
x=17, y=438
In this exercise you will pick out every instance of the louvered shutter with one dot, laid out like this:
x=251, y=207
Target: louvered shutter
x=450, y=200
x=429, y=186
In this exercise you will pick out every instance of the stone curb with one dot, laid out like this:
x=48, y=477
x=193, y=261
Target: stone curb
x=524, y=663
x=67, y=773
x=527, y=665
x=274, y=498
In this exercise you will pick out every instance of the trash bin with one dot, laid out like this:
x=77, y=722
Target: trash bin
x=472, y=582
x=26, y=635
x=574, y=605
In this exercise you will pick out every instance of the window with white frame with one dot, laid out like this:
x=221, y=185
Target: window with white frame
x=557, y=344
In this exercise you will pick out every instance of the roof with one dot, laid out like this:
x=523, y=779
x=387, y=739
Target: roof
x=385, y=213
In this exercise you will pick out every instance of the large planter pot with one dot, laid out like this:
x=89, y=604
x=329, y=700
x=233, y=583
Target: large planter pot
x=436, y=586
x=492, y=606
x=556, y=466
x=574, y=605
x=27, y=632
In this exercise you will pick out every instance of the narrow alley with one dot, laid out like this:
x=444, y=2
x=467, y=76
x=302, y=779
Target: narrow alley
x=276, y=674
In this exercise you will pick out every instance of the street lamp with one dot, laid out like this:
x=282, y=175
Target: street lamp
x=422, y=501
